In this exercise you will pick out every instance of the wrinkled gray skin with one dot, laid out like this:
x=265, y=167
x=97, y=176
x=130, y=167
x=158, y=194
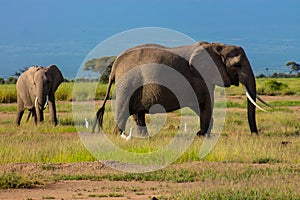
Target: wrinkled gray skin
x=193, y=63
x=33, y=87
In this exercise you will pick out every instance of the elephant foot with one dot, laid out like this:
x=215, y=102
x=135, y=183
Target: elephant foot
x=142, y=131
x=54, y=123
x=201, y=133
x=254, y=133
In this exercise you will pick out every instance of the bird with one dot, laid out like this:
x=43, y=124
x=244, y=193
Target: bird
x=86, y=123
x=130, y=134
x=123, y=135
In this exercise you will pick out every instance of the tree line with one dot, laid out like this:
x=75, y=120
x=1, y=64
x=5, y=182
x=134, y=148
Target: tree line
x=103, y=67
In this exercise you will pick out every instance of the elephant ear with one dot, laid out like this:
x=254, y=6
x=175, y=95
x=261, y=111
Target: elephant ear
x=29, y=78
x=57, y=77
x=25, y=86
x=209, y=65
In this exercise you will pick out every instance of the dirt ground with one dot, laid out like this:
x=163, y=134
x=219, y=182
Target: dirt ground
x=115, y=189
x=86, y=189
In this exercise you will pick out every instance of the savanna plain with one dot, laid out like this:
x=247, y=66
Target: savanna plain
x=46, y=162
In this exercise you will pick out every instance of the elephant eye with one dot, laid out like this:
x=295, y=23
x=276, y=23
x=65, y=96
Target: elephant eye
x=237, y=65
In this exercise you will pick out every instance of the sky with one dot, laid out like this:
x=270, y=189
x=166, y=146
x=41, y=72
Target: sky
x=64, y=32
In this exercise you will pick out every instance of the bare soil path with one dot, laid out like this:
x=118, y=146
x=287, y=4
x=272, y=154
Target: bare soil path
x=138, y=189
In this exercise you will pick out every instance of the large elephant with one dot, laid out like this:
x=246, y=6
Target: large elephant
x=204, y=65
x=35, y=89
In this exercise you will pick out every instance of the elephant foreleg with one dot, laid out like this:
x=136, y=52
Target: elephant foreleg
x=19, y=117
x=20, y=112
x=39, y=114
x=52, y=111
x=140, y=121
x=205, y=121
x=34, y=117
x=206, y=111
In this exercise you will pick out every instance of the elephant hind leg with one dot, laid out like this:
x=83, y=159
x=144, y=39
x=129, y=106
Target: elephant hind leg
x=141, y=123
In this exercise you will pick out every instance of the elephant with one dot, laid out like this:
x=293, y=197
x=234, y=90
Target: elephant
x=35, y=89
x=204, y=65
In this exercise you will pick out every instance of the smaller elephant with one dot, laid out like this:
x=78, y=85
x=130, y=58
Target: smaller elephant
x=35, y=89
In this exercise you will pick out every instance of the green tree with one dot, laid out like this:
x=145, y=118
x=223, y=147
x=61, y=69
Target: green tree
x=294, y=67
x=99, y=64
x=11, y=80
x=102, y=66
x=2, y=81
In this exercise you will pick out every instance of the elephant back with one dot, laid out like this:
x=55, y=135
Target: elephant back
x=148, y=55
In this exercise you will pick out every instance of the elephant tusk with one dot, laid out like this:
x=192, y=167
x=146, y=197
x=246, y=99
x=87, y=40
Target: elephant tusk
x=35, y=102
x=264, y=101
x=46, y=102
x=252, y=101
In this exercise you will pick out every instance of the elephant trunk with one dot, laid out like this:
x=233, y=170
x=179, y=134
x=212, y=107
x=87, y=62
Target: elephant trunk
x=40, y=104
x=248, y=80
x=39, y=111
x=251, y=108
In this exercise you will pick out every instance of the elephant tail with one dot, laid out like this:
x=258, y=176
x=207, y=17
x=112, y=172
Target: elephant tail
x=100, y=113
x=99, y=118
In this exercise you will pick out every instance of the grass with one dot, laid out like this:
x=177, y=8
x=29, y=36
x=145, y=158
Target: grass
x=274, y=153
x=257, y=193
x=289, y=86
x=92, y=90
x=283, y=103
x=45, y=143
x=190, y=175
x=16, y=181
x=37, y=147
x=8, y=93
x=220, y=181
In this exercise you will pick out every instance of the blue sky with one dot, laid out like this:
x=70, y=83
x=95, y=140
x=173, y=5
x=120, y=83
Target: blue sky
x=63, y=32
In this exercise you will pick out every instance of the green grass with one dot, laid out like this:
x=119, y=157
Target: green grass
x=16, y=181
x=8, y=107
x=65, y=92
x=264, y=87
x=257, y=193
x=37, y=147
x=93, y=90
x=275, y=151
x=284, y=103
x=8, y=93
x=186, y=174
x=45, y=143
x=220, y=181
